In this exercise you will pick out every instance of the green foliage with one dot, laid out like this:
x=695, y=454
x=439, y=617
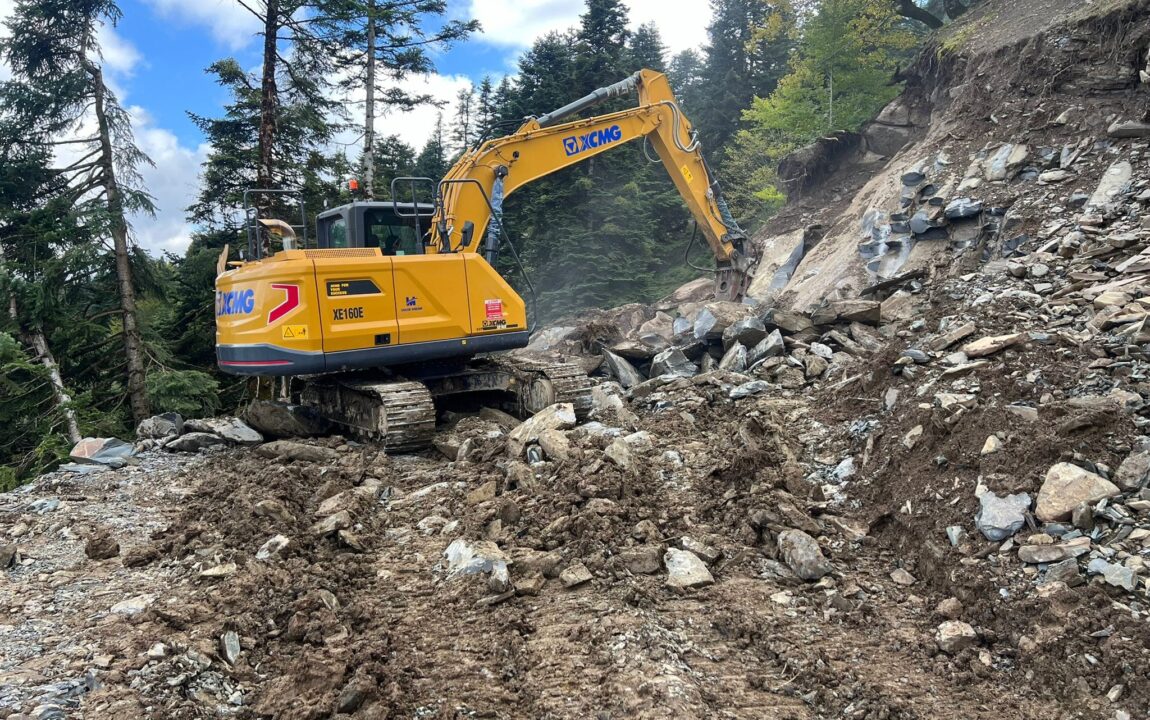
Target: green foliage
x=29, y=443
x=839, y=78
x=190, y=393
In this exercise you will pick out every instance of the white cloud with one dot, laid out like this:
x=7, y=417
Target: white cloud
x=120, y=56
x=229, y=23
x=173, y=184
x=518, y=24
x=414, y=127
x=6, y=8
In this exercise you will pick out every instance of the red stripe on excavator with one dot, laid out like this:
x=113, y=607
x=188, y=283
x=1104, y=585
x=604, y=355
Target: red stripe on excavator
x=291, y=302
x=255, y=363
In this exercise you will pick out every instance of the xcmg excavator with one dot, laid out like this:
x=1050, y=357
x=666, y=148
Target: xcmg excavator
x=393, y=306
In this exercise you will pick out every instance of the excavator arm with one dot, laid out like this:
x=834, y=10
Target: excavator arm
x=473, y=190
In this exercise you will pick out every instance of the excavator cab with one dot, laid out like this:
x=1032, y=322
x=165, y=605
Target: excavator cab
x=397, y=229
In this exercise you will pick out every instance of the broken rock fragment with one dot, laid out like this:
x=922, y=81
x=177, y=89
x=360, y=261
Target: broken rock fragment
x=673, y=361
x=1001, y=517
x=954, y=636
x=622, y=370
x=1065, y=487
x=802, y=554
x=990, y=345
x=560, y=416
x=686, y=570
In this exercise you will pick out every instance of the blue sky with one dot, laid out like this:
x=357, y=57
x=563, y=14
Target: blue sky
x=155, y=60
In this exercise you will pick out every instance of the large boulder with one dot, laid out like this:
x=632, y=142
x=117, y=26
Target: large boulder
x=194, y=442
x=560, y=416
x=1132, y=472
x=802, y=553
x=282, y=420
x=622, y=370
x=160, y=427
x=772, y=346
x=748, y=332
x=111, y=452
x=1066, y=487
x=673, y=361
x=692, y=292
x=716, y=317
x=658, y=331
x=232, y=429
x=734, y=359
x=686, y=570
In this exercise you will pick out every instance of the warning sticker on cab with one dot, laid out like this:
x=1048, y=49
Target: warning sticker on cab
x=295, y=332
x=493, y=309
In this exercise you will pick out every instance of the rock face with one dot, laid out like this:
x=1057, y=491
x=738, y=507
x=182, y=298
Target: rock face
x=1065, y=487
x=686, y=570
x=999, y=518
x=802, y=553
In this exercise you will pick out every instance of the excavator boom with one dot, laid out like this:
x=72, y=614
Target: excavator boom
x=473, y=189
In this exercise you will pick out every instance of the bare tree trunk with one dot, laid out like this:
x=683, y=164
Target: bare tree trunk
x=908, y=9
x=133, y=342
x=369, y=120
x=39, y=343
x=268, y=92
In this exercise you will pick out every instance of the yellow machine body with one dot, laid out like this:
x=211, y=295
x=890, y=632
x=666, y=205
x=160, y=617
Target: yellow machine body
x=303, y=312
x=381, y=292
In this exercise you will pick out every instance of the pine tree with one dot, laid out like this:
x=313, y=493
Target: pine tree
x=377, y=43
x=432, y=161
x=737, y=66
x=59, y=91
x=393, y=158
x=463, y=127
x=485, y=111
x=646, y=49
x=600, y=45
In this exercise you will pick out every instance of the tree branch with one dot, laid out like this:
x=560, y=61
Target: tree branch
x=909, y=10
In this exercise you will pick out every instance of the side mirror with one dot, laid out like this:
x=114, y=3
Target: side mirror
x=466, y=234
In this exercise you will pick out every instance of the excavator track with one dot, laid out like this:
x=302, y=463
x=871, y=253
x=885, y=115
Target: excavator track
x=401, y=415
x=543, y=383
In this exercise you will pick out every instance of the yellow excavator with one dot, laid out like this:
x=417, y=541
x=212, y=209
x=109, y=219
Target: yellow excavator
x=392, y=307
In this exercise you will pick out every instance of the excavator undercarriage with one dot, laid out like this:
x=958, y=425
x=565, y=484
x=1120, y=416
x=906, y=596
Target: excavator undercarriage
x=399, y=409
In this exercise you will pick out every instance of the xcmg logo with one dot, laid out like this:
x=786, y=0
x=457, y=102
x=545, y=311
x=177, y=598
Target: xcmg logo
x=235, y=302
x=596, y=138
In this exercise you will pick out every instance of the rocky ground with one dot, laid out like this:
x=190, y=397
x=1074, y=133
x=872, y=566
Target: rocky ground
x=921, y=494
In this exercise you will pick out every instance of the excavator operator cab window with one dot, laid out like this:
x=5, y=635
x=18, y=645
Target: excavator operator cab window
x=333, y=232
x=390, y=234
